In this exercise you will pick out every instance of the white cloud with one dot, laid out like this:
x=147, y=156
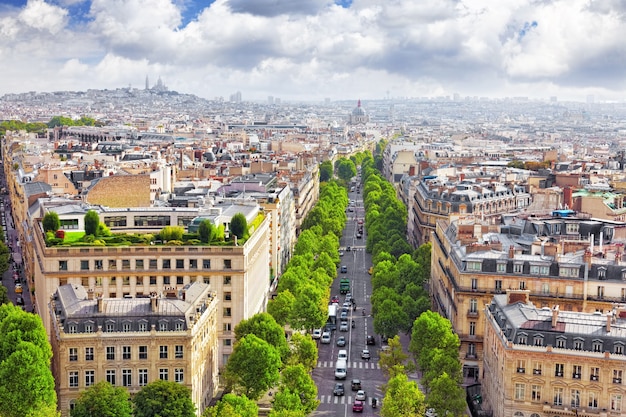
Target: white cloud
x=43, y=16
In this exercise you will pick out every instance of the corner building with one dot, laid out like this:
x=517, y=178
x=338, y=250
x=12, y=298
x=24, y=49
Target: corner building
x=130, y=342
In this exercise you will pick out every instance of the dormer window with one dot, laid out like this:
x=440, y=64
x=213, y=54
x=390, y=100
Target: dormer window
x=474, y=266
x=517, y=268
x=597, y=345
x=561, y=342
x=568, y=271
x=522, y=339
x=602, y=273
x=618, y=348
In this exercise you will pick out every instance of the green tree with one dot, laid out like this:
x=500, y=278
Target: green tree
x=280, y=307
x=51, y=222
x=265, y=327
x=389, y=319
x=312, y=307
x=103, y=400
x=346, y=169
x=253, y=367
x=430, y=332
x=286, y=413
x=164, y=398
x=26, y=382
x=4, y=298
x=394, y=358
x=447, y=397
x=239, y=226
x=403, y=398
x=326, y=171
x=440, y=362
x=92, y=220
x=171, y=233
x=232, y=405
x=295, y=379
x=303, y=351
x=206, y=231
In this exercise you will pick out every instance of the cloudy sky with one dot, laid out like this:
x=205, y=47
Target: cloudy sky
x=312, y=49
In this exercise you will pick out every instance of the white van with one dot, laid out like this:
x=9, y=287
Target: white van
x=342, y=355
x=341, y=369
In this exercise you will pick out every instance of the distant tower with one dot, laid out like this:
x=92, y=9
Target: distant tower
x=147, y=83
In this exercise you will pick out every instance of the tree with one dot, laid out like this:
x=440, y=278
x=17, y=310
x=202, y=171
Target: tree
x=303, y=351
x=4, y=298
x=164, y=398
x=239, y=226
x=265, y=327
x=26, y=382
x=389, y=319
x=446, y=396
x=280, y=307
x=326, y=171
x=206, y=231
x=171, y=233
x=296, y=380
x=430, y=332
x=253, y=366
x=92, y=220
x=287, y=413
x=403, y=398
x=393, y=357
x=51, y=222
x=346, y=169
x=103, y=400
x=312, y=308
x=232, y=405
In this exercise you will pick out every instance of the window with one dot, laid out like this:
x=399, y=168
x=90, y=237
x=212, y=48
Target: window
x=576, y=371
x=227, y=342
x=143, y=352
x=474, y=284
x=84, y=265
x=522, y=339
x=153, y=264
x=112, y=264
x=472, y=328
x=143, y=377
x=538, y=340
x=73, y=352
x=618, y=349
x=62, y=265
x=139, y=264
x=600, y=292
x=115, y=221
x=498, y=285
x=521, y=366
x=143, y=327
x=166, y=280
x=193, y=264
x=167, y=264
x=617, y=376
x=545, y=288
x=90, y=378
x=126, y=352
x=571, y=228
x=153, y=280
x=163, y=326
x=127, y=377
x=501, y=267
x=594, y=373
x=597, y=346
x=126, y=327
x=72, y=328
x=535, y=393
x=97, y=264
x=537, y=368
x=227, y=327
x=227, y=296
x=623, y=294
x=180, y=280
x=125, y=263
x=88, y=353
x=474, y=266
x=206, y=280
x=568, y=272
x=575, y=398
x=179, y=326
x=517, y=268
x=88, y=328
x=110, y=327
x=558, y=369
x=520, y=391
x=147, y=221
x=73, y=379
x=227, y=280
x=578, y=345
x=111, y=376
x=163, y=352
x=110, y=353
x=601, y=273
x=616, y=402
x=522, y=285
x=228, y=264
x=558, y=396
x=539, y=270
x=206, y=264
x=473, y=305
x=471, y=350
x=560, y=343
x=163, y=374
x=227, y=312
x=178, y=375
x=593, y=399
x=180, y=264
x=178, y=351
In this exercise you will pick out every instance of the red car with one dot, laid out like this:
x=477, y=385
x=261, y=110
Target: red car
x=334, y=299
x=357, y=407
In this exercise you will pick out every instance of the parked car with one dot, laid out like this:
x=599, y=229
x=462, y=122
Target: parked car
x=360, y=395
x=355, y=384
x=341, y=341
x=339, y=389
x=317, y=333
x=371, y=340
x=357, y=407
x=365, y=354
x=325, y=338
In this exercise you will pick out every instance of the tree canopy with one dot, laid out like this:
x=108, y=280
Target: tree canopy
x=265, y=327
x=103, y=400
x=164, y=398
x=92, y=220
x=326, y=171
x=51, y=222
x=403, y=398
x=206, y=231
x=232, y=405
x=239, y=226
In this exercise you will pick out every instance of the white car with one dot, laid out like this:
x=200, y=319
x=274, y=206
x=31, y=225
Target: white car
x=342, y=355
x=325, y=337
x=360, y=395
x=317, y=333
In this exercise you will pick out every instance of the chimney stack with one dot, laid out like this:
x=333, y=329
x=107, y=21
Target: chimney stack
x=511, y=252
x=100, y=304
x=609, y=319
x=555, y=315
x=587, y=257
x=154, y=302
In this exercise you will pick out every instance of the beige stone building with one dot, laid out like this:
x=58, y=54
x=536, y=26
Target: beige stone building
x=130, y=342
x=543, y=362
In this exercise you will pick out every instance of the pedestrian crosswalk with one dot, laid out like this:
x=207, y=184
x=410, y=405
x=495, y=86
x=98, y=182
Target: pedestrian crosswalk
x=343, y=399
x=352, y=365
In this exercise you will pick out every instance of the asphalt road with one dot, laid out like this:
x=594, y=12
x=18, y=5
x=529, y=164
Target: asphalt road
x=368, y=371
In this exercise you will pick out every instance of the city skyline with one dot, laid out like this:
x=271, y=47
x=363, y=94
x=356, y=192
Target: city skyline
x=313, y=49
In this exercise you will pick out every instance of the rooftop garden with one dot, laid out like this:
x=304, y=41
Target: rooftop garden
x=98, y=234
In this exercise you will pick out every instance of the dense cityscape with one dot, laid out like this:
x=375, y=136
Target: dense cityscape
x=427, y=256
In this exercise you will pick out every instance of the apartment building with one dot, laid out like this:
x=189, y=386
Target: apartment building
x=549, y=362
x=569, y=260
x=130, y=342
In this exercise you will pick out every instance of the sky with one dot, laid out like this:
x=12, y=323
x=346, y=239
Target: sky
x=317, y=49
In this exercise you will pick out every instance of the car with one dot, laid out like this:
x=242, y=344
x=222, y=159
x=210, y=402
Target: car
x=371, y=270
x=351, y=209
x=342, y=355
x=19, y=301
x=365, y=354
x=325, y=338
x=344, y=315
x=355, y=385
x=334, y=299
x=357, y=406
x=370, y=340
x=317, y=333
x=360, y=395
x=344, y=269
x=343, y=327
x=18, y=288
x=346, y=304
x=385, y=348
x=359, y=235
x=360, y=221
x=341, y=341
x=339, y=389
x=340, y=253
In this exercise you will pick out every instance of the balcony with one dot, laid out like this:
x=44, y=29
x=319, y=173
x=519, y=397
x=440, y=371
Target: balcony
x=593, y=378
x=617, y=380
x=536, y=371
x=575, y=376
x=472, y=313
x=471, y=355
x=559, y=374
x=521, y=370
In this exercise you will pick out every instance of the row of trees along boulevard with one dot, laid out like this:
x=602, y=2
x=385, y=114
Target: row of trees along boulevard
x=400, y=302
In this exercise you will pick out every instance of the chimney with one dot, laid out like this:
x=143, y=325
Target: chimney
x=555, y=315
x=90, y=294
x=154, y=302
x=511, y=252
x=587, y=257
x=100, y=304
x=609, y=318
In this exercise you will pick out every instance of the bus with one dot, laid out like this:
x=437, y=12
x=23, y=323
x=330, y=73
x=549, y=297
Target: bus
x=331, y=323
